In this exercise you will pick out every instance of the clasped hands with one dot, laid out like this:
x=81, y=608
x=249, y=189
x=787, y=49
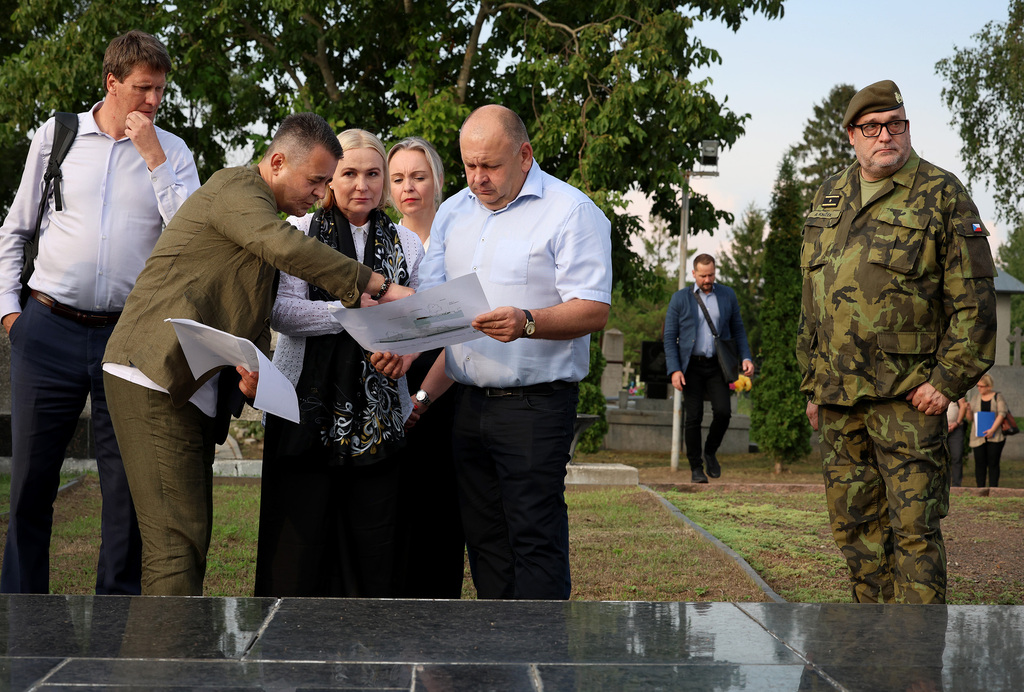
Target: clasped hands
x=924, y=397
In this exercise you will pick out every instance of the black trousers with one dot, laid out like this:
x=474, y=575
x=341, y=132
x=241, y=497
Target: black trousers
x=325, y=531
x=431, y=548
x=55, y=364
x=955, y=440
x=510, y=457
x=704, y=378
x=986, y=462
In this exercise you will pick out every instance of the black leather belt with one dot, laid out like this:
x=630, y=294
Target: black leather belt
x=89, y=319
x=702, y=359
x=542, y=388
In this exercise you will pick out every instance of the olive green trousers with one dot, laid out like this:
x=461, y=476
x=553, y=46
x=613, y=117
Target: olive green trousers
x=886, y=468
x=168, y=458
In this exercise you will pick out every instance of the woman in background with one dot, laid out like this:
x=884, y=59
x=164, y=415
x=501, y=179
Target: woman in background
x=329, y=508
x=955, y=413
x=430, y=542
x=987, y=444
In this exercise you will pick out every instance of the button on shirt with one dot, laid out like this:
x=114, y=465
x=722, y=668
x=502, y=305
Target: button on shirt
x=114, y=210
x=549, y=245
x=705, y=345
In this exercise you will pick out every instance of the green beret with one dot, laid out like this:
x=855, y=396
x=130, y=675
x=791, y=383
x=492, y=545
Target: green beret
x=876, y=98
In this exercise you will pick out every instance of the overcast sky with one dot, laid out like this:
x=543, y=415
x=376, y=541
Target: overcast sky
x=778, y=70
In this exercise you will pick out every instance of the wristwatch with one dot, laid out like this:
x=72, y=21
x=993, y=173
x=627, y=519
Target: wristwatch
x=530, y=327
x=422, y=399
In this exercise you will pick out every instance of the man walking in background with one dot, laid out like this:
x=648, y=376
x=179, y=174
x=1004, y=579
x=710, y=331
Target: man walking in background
x=698, y=318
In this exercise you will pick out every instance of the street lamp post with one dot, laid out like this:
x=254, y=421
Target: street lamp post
x=709, y=158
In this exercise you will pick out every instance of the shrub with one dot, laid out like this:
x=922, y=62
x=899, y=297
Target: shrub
x=592, y=401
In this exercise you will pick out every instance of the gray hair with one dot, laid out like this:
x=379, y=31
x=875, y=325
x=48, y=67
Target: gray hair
x=301, y=133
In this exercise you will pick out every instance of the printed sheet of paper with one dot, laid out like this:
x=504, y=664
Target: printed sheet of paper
x=206, y=348
x=436, y=317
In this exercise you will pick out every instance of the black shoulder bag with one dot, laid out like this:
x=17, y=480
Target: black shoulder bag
x=725, y=349
x=65, y=129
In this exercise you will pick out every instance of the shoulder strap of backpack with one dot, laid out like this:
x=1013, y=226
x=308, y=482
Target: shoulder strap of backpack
x=65, y=129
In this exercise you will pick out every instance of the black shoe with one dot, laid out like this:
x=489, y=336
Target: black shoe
x=697, y=475
x=714, y=468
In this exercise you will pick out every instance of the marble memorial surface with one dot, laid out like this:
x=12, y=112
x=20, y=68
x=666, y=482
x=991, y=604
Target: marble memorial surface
x=156, y=643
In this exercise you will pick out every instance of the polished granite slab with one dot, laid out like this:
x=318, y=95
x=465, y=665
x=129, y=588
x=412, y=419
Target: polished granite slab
x=127, y=643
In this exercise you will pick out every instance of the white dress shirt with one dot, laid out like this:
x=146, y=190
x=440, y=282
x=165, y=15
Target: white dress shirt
x=114, y=210
x=549, y=245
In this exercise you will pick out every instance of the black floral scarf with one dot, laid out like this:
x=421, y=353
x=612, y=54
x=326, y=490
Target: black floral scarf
x=349, y=412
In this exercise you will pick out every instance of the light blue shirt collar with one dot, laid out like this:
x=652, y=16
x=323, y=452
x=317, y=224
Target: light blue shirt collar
x=533, y=186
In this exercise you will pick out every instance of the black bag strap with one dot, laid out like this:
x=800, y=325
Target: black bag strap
x=707, y=315
x=65, y=129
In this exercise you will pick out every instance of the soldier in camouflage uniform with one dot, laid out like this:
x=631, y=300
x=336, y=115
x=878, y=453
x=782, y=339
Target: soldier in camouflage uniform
x=898, y=319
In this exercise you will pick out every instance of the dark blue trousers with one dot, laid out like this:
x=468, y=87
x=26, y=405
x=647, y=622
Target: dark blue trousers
x=510, y=456
x=55, y=364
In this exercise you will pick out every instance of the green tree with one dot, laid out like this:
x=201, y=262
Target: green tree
x=742, y=267
x=641, y=317
x=592, y=401
x=1011, y=260
x=985, y=93
x=604, y=87
x=825, y=148
x=778, y=421
x=660, y=248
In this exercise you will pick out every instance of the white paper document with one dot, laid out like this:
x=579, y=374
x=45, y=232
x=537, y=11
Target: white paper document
x=439, y=316
x=206, y=348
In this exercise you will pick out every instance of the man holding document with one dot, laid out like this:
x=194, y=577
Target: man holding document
x=215, y=263
x=541, y=250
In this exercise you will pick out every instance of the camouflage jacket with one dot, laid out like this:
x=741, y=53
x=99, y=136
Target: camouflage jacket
x=896, y=292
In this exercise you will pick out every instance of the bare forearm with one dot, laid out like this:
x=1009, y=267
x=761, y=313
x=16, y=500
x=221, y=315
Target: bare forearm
x=568, y=320
x=571, y=319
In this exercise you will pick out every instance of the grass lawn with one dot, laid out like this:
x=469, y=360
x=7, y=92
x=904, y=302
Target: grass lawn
x=786, y=538
x=626, y=546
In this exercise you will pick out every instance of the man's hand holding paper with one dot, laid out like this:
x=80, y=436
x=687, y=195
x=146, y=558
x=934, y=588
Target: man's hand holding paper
x=437, y=317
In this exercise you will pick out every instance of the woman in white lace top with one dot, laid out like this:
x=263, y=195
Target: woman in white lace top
x=330, y=482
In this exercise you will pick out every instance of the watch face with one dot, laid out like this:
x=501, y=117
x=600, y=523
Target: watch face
x=530, y=328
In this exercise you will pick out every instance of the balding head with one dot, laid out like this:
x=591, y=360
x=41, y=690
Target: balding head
x=492, y=118
x=496, y=153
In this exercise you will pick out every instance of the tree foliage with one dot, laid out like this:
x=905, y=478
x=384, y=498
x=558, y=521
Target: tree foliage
x=1011, y=260
x=604, y=87
x=742, y=269
x=778, y=421
x=592, y=401
x=641, y=317
x=985, y=94
x=825, y=148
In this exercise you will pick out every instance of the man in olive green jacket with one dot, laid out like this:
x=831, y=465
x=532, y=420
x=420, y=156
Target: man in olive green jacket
x=216, y=263
x=898, y=319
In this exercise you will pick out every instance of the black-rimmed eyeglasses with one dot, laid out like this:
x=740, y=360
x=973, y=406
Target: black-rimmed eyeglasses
x=895, y=127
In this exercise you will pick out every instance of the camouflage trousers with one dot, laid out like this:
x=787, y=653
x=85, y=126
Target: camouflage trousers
x=886, y=468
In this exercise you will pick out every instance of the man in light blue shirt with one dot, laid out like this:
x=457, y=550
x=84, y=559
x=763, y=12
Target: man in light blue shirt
x=123, y=179
x=693, y=363
x=542, y=251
